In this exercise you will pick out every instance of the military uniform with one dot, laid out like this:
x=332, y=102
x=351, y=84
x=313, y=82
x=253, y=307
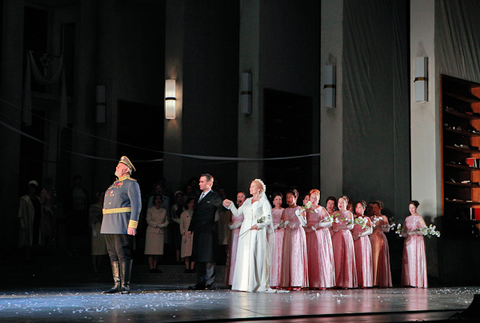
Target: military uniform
x=122, y=206
x=121, y=210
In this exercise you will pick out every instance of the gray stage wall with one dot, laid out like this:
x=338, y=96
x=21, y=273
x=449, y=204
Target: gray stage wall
x=376, y=150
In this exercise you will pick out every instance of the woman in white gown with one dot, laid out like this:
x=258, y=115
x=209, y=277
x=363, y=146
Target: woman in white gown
x=254, y=251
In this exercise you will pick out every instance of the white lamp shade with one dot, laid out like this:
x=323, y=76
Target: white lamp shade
x=245, y=101
x=329, y=86
x=170, y=89
x=170, y=99
x=170, y=106
x=421, y=79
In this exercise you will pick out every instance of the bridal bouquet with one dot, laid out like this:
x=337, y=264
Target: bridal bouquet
x=303, y=208
x=337, y=218
x=375, y=220
x=261, y=220
x=430, y=231
x=362, y=221
x=398, y=230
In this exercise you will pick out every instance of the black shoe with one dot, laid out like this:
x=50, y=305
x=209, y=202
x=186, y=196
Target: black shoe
x=116, y=278
x=210, y=287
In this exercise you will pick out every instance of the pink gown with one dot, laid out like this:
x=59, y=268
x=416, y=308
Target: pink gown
x=382, y=276
x=232, y=257
x=414, y=264
x=344, y=255
x=363, y=255
x=295, y=259
x=275, y=275
x=321, y=268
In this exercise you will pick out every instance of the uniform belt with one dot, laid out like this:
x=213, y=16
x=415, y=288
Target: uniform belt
x=117, y=210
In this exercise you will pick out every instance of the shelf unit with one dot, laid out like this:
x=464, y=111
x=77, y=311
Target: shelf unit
x=460, y=140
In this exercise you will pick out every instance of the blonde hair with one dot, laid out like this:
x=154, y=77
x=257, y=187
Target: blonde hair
x=315, y=192
x=262, y=186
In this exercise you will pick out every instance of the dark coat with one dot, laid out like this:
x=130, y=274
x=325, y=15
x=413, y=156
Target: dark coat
x=204, y=230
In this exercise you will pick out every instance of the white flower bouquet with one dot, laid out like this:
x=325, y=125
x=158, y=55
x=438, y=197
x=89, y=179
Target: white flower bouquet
x=303, y=208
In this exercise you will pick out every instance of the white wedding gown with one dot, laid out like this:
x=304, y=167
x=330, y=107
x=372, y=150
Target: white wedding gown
x=251, y=272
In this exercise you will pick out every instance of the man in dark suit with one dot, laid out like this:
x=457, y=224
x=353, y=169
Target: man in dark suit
x=204, y=231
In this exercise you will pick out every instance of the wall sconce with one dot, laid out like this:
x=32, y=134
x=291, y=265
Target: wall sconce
x=245, y=93
x=170, y=99
x=421, y=79
x=329, y=86
x=100, y=111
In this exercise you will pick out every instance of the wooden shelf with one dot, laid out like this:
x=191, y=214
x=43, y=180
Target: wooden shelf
x=458, y=96
x=462, y=202
x=462, y=132
x=463, y=185
x=467, y=168
x=462, y=115
x=469, y=98
x=464, y=150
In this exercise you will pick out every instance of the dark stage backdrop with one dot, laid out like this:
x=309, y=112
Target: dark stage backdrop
x=376, y=110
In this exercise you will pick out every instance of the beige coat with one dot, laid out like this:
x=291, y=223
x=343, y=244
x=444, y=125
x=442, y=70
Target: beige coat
x=155, y=237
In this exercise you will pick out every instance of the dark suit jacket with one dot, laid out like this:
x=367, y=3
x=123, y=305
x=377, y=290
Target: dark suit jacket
x=205, y=238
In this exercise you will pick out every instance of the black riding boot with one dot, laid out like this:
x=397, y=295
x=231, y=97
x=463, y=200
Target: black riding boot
x=116, y=279
x=126, y=272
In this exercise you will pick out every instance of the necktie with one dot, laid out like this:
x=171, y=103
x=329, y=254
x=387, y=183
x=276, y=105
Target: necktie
x=201, y=197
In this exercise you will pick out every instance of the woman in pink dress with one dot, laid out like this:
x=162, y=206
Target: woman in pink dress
x=330, y=206
x=235, y=227
x=363, y=247
x=343, y=248
x=295, y=260
x=414, y=264
x=321, y=268
x=277, y=211
x=382, y=276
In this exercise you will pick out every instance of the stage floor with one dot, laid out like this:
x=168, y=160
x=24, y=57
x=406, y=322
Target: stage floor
x=157, y=303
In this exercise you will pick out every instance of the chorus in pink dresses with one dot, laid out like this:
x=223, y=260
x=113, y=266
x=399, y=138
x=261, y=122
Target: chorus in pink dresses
x=277, y=212
x=414, y=264
x=295, y=261
x=363, y=248
x=343, y=248
x=321, y=268
x=382, y=276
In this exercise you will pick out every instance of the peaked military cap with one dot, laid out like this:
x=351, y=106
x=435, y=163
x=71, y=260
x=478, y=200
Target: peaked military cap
x=124, y=160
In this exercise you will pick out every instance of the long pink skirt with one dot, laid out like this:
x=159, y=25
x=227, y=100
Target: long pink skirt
x=321, y=268
x=344, y=255
x=276, y=273
x=363, y=260
x=414, y=264
x=295, y=259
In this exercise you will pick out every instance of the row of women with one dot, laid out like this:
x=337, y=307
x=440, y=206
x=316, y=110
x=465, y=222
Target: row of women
x=306, y=247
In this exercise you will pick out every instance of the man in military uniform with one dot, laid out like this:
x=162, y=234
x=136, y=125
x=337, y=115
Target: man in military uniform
x=121, y=211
